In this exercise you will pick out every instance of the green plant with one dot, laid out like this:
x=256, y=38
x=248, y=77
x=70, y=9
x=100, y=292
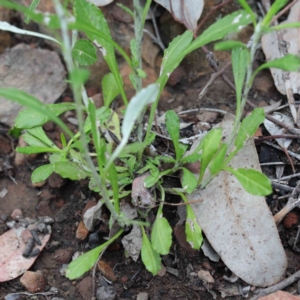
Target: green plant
x=74, y=161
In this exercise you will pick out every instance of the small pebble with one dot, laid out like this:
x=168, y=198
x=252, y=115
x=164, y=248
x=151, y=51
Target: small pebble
x=41, y=227
x=33, y=281
x=11, y=224
x=142, y=296
x=106, y=293
x=290, y=220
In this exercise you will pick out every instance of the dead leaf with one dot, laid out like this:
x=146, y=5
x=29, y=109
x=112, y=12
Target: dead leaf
x=274, y=129
x=132, y=242
x=91, y=215
x=239, y=226
x=186, y=12
x=12, y=246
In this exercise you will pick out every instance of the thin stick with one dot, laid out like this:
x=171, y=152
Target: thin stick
x=279, y=286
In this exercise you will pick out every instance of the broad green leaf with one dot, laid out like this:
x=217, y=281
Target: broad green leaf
x=161, y=235
x=191, y=158
x=188, y=180
x=84, y=53
x=70, y=170
x=192, y=229
x=210, y=146
x=173, y=55
x=150, y=257
x=87, y=12
x=136, y=106
x=276, y=6
x=289, y=62
x=110, y=89
x=36, y=149
x=39, y=134
x=247, y=128
x=41, y=173
x=231, y=23
x=86, y=261
x=229, y=45
x=254, y=182
x=240, y=61
x=30, y=117
x=79, y=77
x=218, y=161
x=173, y=126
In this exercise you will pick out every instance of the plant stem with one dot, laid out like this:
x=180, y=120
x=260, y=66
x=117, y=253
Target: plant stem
x=67, y=53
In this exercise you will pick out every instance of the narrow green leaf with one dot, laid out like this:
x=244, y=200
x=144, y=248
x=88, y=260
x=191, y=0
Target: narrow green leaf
x=84, y=53
x=102, y=115
x=191, y=158
x=173, y=125
x=136, y=106
x=218, y=161
x=211, y=144
x=89, y=13
x=254, y=182
x=161, y=235
x=41, y=173
x=276, y=6
x=36, y=149
x=240, y=61
x=70, y=170
x=248, y=128
x=174, y=54
x=192, y=229
x=32, y=7
x=113, y=179
x=188, y=180
x=231, y=23
x=86, y=261
x=248, y=9
x=229, y=45
x=110, y=89
x=289, y=62
x=150, y=257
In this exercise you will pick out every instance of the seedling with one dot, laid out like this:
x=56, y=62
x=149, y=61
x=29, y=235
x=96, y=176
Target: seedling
x=74, y=161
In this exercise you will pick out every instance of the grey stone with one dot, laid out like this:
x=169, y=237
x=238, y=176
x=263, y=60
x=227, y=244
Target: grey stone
x=106, y=293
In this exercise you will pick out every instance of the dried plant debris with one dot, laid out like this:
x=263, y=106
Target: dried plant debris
x=21, y=245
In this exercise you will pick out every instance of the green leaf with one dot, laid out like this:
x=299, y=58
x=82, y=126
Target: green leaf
x=36, y=149
x=173, y=55
x=102, y=115
x=70, y=170
x=192, y=229
x=229, y=45
x=191, y=158
x=90, y=14
x=41, y=173
x=150, y=257
x=113, y=179
x=210, y=146
x=161, y=235
x=231, y=23
x=31, y=117
x=254, y=182
x=248, y=9
x=247, y=129
x=276, y=6
x=173, y=126
x=86, y=261
x=136, y=106
x=32, y=7
x=240, y=61
x=188, y=180
x=110, y=89
x=84, y=53
x=37, y=137
x=218, y=161
x=289, y=62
